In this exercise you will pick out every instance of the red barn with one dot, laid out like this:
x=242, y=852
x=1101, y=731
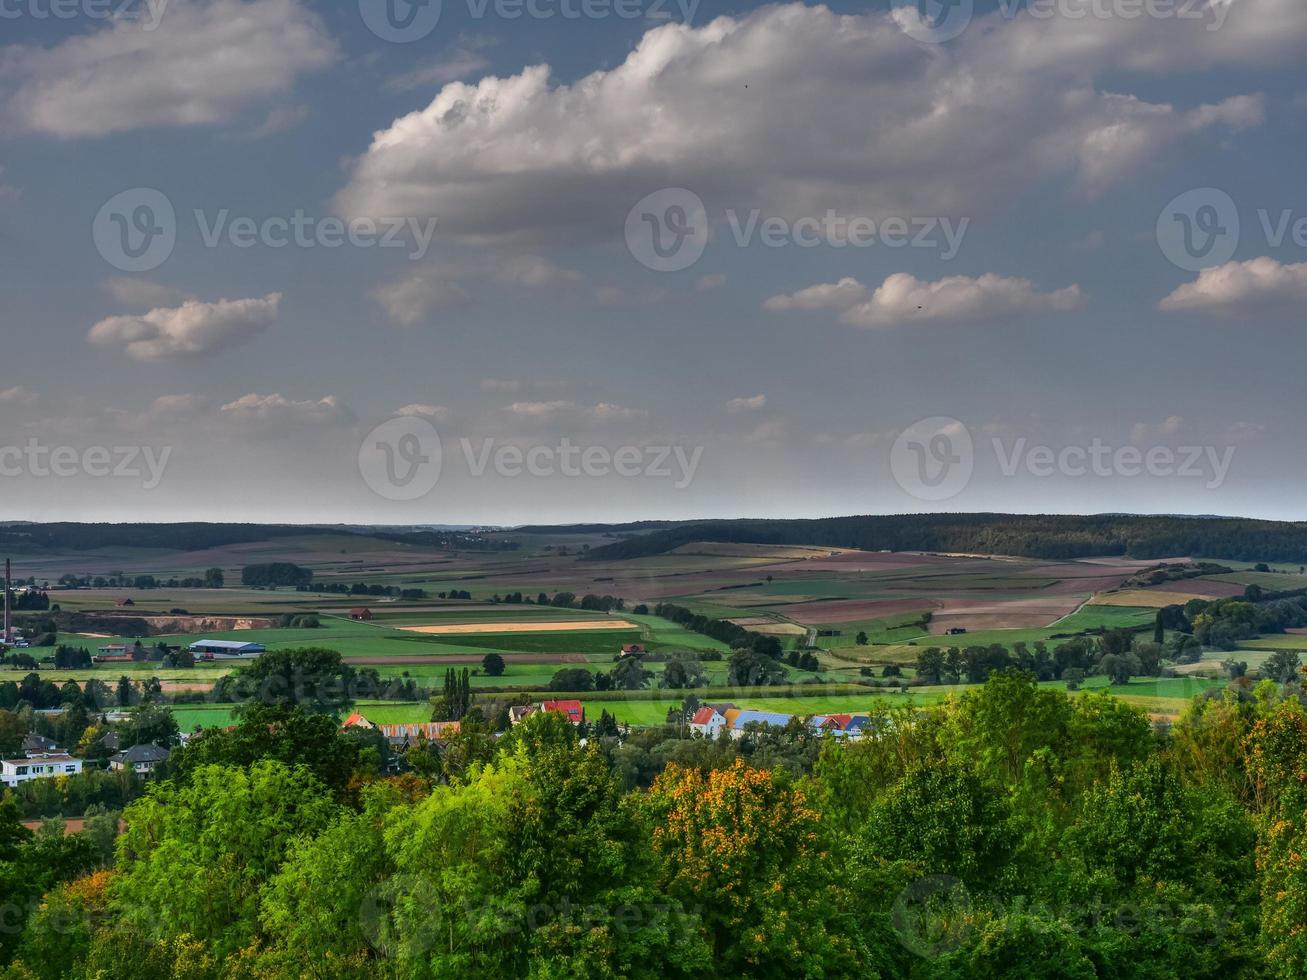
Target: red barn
x=360, y=612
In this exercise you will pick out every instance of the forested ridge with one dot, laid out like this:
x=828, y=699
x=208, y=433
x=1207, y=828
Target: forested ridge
x=1033, y=536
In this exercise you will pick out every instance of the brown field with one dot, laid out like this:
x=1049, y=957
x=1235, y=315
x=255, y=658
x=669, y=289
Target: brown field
x=537, y=627
x=468, y=658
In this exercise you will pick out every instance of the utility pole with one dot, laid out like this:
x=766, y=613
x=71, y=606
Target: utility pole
x=5, y=638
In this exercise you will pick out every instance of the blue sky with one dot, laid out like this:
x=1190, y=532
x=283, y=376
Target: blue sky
x=515, y=310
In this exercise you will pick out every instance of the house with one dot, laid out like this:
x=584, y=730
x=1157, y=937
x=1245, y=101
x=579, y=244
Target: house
x=15, y=771
x=402, y=736
x=110, y=741
x=34, y=745
x=743, y=719
x=573, y=709
x=955, y=631
x=840, y=726
x=225, y=649
x=140, y=759
x=632, y=650
x=356, y=720
x=361, y=613
x=520, y=712
x=708, y=721
x=124, y=602
x=114, y=653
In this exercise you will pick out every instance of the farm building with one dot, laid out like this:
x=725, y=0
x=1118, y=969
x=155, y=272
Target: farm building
x=632, y=650
x=361, y=613
x=124, y=602
x=225, y=649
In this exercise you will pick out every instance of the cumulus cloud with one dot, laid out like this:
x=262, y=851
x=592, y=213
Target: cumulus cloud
x=408, y=301
x=276, y=409
x=204, y=62
x=839, y=296
x=1261, y=285
x=192, y=329
x=750, y=404
x=733, y=109
x=903, y=298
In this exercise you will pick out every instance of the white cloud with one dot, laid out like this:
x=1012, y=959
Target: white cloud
x=191, y=329
x=205, y=62
x=560, y=409
x=131, y=291
x=417, y=410
x=1261, y=285
x=407, y=301
x=17, y=395
x=903, y=128
x=750, y=404
x=276, y=409
x=532, y=270
x=842, y=295
x=903, y=298
x=1152, y=431
x=448, y=67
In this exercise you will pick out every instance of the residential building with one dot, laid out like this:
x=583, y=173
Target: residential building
x=708, y=722
x=34, y=745
x=573, y=709
x=141, y=759
x=15, y=771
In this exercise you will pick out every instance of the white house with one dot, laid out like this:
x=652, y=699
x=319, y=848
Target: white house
x=708, y=721
x=15, y=771
x=141, y=759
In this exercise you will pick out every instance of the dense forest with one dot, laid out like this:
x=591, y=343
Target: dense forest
x=1033, y=536
x=1011, y=831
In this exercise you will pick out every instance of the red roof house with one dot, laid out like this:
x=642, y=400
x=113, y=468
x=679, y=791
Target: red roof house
x=360, y=612
x=572, y=708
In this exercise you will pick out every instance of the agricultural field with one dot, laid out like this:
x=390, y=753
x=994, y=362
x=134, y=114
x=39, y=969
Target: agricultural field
x=903, y=602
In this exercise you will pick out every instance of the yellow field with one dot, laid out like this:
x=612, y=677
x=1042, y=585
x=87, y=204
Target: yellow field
x=537, y=627
x=1145, y=598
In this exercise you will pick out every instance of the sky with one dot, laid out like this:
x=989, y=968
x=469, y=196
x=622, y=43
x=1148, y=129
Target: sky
x=505, y=262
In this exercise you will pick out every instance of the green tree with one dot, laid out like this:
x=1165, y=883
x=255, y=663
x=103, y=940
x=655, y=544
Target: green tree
x=224, y=834
x=492, y=664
